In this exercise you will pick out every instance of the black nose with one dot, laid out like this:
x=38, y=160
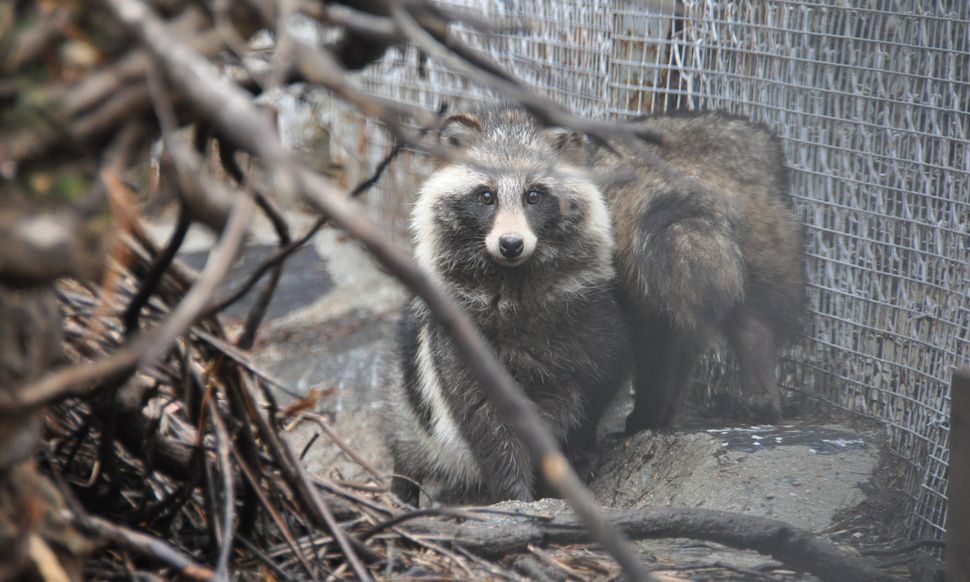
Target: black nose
x=510, y=245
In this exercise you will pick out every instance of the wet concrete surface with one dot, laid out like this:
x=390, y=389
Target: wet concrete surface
x=345, y=355
x=330, y=319
x=820, y=440
x=339, y=338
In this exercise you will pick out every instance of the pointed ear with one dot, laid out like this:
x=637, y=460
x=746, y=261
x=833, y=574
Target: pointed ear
x=568, y=143
x=459, y=130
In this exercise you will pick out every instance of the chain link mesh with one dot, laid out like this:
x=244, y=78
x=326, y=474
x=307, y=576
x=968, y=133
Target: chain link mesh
x=871, y=104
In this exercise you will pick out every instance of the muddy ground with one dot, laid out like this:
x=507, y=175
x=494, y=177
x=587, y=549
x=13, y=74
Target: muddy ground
x=329, y=329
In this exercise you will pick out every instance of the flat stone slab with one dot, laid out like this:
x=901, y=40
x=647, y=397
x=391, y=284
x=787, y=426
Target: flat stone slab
x=801, y=474
x=305, y=278
x=337, y=338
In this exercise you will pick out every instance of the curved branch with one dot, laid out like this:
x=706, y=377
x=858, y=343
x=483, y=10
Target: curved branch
x=157, y=270
x=284, y=252
x=545, y=110
x=791, y=545
x=146, y=545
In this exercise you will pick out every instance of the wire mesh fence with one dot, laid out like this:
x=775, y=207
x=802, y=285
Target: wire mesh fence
x=871, y=104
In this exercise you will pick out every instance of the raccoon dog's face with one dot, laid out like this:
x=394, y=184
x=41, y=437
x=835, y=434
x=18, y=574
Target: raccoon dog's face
x=516, y=201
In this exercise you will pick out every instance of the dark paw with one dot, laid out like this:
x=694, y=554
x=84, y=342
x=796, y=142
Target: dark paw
x=791, y=408
x=518, y=490
x=405, y=490
x=633, y=426
x=638, y=422
x=764, y=411
x=585, y=465
x=523, y=494
x=544, y=491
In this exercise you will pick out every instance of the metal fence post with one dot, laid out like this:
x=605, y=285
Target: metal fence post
x=958, y=523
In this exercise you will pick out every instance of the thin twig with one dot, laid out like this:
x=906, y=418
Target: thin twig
x=913, y=545
x=285, y=251
x=791, y=545
x=412, y=515
x=156, y=272
x=274, y=515
x=545, y=110
x=343, y=445
x=273, y=262
x=146, y=545
x=303, y=487
x=228, y=490
x=243, y=359
x=222, y=255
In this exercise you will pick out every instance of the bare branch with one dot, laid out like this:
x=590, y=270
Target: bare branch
x=793, y=546
x=228, y=489
x=146, y=545
x=157, y=271
x=545, y=110
x=216, y=269
x=38, y=247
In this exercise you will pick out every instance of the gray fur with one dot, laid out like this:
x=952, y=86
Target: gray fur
x=554, y=320
x=711, y=250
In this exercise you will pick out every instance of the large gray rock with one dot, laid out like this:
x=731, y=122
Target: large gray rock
x=804, y=475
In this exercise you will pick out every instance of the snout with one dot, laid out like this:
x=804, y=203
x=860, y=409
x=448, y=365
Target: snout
x=510, y=249
x=511, y=240
x=510, y=245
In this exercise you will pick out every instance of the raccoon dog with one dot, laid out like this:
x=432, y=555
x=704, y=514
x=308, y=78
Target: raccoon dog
x=706, y=247
x=521, y=238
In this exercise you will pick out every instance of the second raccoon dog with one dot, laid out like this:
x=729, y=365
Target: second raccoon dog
x=521, y=238
x=711, y=248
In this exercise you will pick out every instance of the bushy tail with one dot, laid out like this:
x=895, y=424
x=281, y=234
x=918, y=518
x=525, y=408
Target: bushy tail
x=687, y=258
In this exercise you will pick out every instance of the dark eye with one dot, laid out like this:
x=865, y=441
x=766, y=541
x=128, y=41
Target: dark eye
x=486, y=197
x=533, y=196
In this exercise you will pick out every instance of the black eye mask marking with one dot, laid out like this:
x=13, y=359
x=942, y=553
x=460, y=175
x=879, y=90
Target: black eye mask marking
x=542, y=209
x=467, y=215
x=483, y=195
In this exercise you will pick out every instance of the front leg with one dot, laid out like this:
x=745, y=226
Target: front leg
x=654, y=351
x=406, y=490
x=757, y=351
x=580, y=449
x=504, y=462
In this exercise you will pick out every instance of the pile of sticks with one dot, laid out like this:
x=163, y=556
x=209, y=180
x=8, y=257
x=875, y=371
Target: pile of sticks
x=161, y=450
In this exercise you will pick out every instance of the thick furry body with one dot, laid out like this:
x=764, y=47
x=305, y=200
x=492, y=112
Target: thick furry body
x=708, y=246
x=521, y=238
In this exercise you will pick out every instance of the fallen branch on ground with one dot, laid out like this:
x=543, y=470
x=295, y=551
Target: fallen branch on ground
x=797, y=548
